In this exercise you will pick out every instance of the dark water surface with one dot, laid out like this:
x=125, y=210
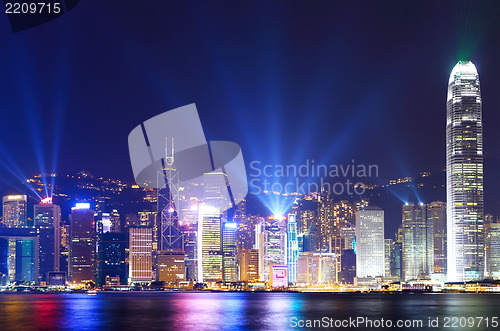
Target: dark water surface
x=232, y=311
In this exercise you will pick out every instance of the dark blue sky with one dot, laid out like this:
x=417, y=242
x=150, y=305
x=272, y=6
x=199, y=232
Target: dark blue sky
x=288, y=81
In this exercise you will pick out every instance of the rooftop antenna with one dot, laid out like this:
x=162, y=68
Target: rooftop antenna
x=169, y=159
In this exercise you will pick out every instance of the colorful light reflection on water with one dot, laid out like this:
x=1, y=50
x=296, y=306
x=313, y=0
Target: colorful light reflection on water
x=224, y=311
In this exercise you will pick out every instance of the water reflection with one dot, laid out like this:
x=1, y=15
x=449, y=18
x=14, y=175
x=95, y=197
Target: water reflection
x=225, y=311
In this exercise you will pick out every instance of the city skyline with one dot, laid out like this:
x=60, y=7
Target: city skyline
x=249, y=164
x=456, y=175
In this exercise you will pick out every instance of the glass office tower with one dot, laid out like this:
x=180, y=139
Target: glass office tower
x=464, y=175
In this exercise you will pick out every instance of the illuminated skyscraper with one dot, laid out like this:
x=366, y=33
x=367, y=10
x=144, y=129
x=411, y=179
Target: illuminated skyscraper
x=292, y=248
x=190, y=230
x=271, y=242
x=169, y=265
x=14, y=211
x=417, y=243
x=82, y=246
x=249, y=265
x=464, y=174
x=229, y=257
x=397, y=255
x=388, y=256
x=209, y=238
x=436, y=215
x=102, y=222
x=493, y=250
x=47, y=217
x=370, y=256
x=111, y=257
x=140, y=254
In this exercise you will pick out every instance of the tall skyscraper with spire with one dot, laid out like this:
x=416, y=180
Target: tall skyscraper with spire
x=464, y=174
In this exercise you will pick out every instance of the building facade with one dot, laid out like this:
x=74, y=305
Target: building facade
x=140, y=254
x=464, y=175
x=436, y=214
x=370, y=253
x=493, y=250
x=417, y=242
x=14, y=211
x=47, y=218
x=82, y=252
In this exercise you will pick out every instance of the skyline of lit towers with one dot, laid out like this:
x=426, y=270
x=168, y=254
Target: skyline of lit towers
x=464, y=175
x=47, y=221
x=417, y=243
x=14, y=210
x=436, y=213
x=292, y=247
x=370, y=255
x=140, y=254
x=82, y=257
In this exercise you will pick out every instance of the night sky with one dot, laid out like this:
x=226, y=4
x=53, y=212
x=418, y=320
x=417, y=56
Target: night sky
x=288, y=81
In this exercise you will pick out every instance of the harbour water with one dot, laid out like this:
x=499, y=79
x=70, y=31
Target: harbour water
x=246, y=310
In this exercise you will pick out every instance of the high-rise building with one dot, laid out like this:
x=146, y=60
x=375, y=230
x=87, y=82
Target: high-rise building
x=370, y=261
x=292, y=248
x=107, y=222
x=348, y=266
x=168, y=203
x=311, y=239
x=464, y=175
x=114, y=217
x=47, y=218
x=417, y=242
x=493, y=250
x=111, y=257
x=102, y=222
x=169, y=265
x=150, y=219
x=387, y=256
x=190, y=231
x=436, y=215
x=140, y=254
x=229, y=256
x=82, y=246
x=307, y=268
x=349, y=235
x=397, y=255
x=19, y=249
x=209, y=244
x=14, y=211
x=249, y=265
x=333, y=216
x=271, y=244
x=240, y=214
